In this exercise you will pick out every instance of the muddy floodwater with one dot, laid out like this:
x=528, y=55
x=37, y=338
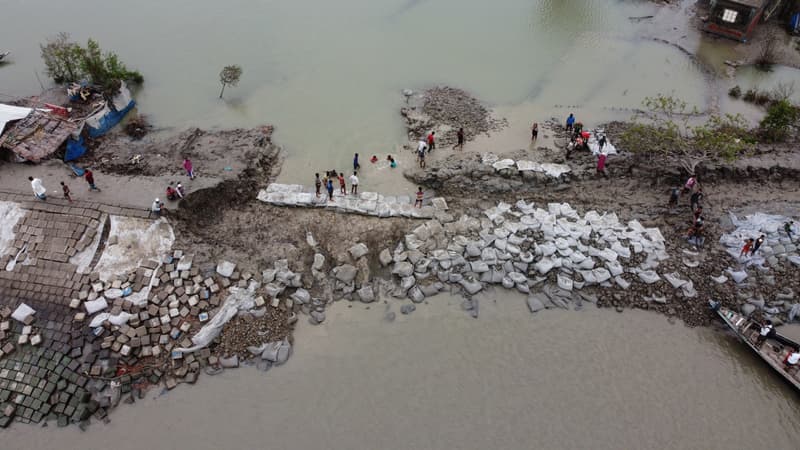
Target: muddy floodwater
x=329, y=75
x=440, y=379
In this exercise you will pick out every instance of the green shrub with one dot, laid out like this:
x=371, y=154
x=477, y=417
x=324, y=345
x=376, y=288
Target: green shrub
x=780, y=116
x=735, y=91
x=67, y=61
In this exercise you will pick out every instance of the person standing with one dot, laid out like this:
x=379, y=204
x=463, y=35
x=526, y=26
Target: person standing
x=696, y=198
x=748, y=244
x=330, y=189
x=674, y=193
x=317, y=183
x=38, y=188
x=431, y=141
x=690, y=183
x=356, y=165
x=354, y=183
x=787, y=227
x=342, y=185
x=420, y=196
x=459, y=139
x=534, y=131
x=601, y=164
x=187, y=166
x=65, y=190
x=89, y=176
x=602, y=142
x=421, y=154
x=697, y=213
x=570, y=122
x=757, y=244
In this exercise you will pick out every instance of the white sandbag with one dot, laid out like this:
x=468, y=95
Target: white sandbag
x=564, y=282
x=649, y=276
x=96, y=305
x=239, y=300
x=737, y=276
x=22, y=312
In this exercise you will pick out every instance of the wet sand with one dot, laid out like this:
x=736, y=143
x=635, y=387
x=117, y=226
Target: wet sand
x=440, y=379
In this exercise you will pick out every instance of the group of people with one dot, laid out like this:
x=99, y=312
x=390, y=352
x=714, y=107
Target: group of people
x=331, y=175
x=173, y=193
x=40, y=192
x=695, y=191
x=791, y=362
x=579, y=140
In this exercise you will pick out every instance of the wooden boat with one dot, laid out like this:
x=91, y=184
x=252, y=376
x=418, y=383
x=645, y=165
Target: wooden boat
x=773, y=351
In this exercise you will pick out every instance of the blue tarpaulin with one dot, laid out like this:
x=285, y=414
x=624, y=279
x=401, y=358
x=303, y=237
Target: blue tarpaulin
x=794, y=23
x=111, y=114
x=108, y=120
x=75, y=149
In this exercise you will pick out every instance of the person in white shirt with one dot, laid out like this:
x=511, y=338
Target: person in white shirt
x=38, y=188
x=792, y=360
x=354, y=183
x=767, y=330
x=155, y=208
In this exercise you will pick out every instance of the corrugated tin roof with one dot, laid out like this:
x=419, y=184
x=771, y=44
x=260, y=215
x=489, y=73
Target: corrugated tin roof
x=37, y=136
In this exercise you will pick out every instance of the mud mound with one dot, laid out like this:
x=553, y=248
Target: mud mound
x=446, y=109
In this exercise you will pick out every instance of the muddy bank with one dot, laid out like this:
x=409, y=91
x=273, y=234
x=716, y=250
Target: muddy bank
x=214, y=153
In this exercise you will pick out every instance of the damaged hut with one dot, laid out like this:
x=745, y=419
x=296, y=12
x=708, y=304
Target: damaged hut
x=736, y=19
x=36, y=136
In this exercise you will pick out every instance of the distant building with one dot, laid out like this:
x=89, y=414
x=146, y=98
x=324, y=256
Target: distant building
x=736, y=19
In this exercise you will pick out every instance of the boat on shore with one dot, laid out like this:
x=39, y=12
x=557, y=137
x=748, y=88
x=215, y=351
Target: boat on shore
x=774, y=350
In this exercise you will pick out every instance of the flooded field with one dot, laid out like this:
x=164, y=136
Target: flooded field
x=329, y=74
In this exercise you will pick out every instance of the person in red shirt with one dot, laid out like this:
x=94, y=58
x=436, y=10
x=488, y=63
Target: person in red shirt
x=342, y=184
x=431, y=141
x=89, y=176
x=420, y=196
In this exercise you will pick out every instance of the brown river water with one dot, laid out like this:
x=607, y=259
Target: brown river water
x=441, y=379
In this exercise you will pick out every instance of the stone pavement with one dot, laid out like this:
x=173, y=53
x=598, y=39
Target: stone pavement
x=366, y=203
x=41, y=371
x=73, y=344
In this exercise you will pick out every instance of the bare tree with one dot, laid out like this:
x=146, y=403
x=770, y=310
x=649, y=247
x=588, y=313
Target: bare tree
x=230, y=75
x=766, y=57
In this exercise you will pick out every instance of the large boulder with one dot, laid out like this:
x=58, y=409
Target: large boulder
x=345, y=273
x=535, y=303
x=402, y=269
x=385, y=257
x=319, y=261
x=226, y=268
x=471, y=286
x=366, y=294
x=358, y=250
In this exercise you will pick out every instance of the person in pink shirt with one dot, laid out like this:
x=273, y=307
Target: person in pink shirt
x=187, y=165
x=601, y=164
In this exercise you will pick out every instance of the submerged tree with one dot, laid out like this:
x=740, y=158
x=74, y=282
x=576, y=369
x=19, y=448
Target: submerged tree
x=230, y=75
x=66, y=61
x=665, y=129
